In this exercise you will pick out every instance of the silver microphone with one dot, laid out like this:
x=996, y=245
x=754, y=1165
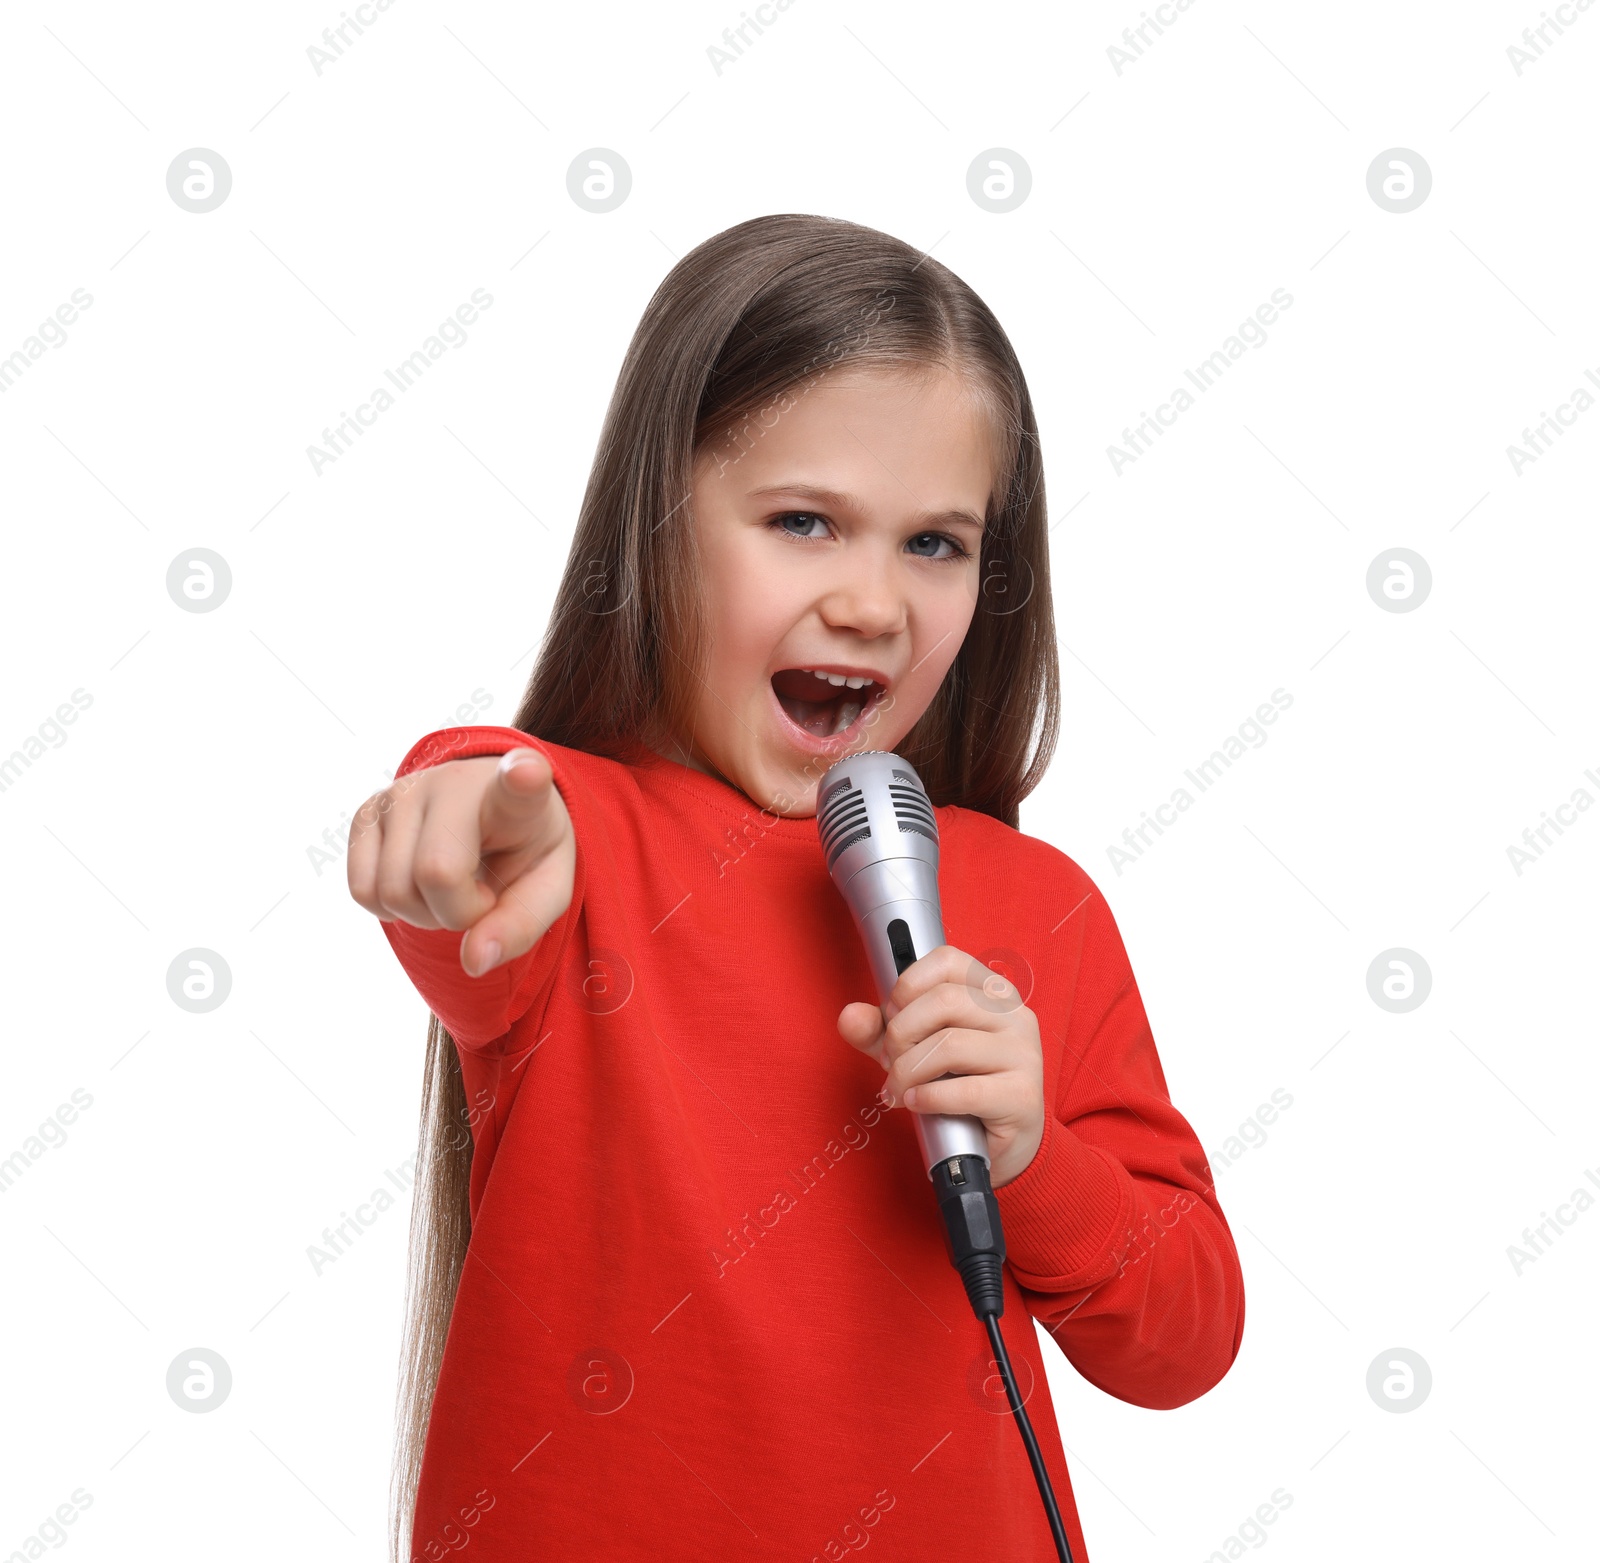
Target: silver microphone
x=881, y=842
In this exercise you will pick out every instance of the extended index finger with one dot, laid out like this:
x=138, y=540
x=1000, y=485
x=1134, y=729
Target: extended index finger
x=515, y=810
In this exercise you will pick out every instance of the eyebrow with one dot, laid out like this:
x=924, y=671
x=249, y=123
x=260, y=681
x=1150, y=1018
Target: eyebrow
x=828, y=496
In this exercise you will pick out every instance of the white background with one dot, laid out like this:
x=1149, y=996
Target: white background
x=369, y=603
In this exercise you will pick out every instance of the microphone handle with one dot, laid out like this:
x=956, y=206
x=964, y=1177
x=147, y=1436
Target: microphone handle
x=897, y=933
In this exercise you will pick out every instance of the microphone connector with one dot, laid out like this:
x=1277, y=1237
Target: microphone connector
x=972, y=1233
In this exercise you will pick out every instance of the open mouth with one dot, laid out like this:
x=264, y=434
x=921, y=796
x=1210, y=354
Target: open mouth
x=821, y=707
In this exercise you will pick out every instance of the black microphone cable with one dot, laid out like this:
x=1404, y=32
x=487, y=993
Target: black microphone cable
x=977, y=1248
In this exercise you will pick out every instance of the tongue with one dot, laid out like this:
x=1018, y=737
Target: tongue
x=815, y=704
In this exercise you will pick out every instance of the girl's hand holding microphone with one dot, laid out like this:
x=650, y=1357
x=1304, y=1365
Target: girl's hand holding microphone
x=483, y=844
x=952, y=1016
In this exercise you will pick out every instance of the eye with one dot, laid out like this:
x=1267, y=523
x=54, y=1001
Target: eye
x=933, y=539
x=957, y=551
x=777, y=523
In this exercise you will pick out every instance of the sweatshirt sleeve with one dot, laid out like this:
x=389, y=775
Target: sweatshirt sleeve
x=479, y=1012
x=1113, y=1231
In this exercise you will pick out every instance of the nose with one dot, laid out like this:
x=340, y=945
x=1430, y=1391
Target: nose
x=864, y=593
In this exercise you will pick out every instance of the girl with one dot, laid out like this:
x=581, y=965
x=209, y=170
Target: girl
x=679, y=1285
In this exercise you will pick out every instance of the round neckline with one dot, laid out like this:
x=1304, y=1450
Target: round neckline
x=723, y=797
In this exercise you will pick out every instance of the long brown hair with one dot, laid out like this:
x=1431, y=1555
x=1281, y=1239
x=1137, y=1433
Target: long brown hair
x=741, y=322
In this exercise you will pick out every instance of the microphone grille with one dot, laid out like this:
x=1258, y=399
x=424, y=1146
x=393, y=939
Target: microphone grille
x=841, y=818
x=842, y=815
x=911, y=806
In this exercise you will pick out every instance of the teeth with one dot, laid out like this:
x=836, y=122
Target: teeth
x=838, y=680
x=849, y=710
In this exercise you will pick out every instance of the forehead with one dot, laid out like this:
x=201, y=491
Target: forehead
x=857, y=429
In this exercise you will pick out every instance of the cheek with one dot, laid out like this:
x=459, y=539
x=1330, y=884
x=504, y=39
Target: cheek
x=750, y=614
x=944, y=620
x=964, y=604
x=941, y=621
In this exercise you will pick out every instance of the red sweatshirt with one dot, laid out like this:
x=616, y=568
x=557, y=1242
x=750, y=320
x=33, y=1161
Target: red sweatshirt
x=707, y=1309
